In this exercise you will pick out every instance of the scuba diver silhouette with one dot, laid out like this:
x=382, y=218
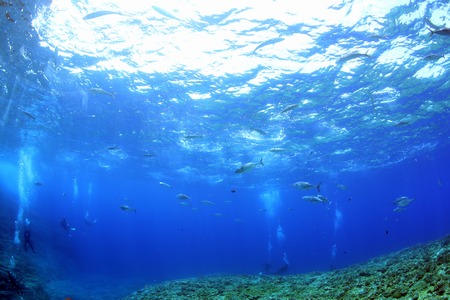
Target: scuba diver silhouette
x=284, y=268
x=65, y=225
x=27, y=240
x=88, y=220
x=14, y=283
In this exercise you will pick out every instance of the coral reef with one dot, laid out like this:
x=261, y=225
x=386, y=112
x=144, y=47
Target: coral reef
x=419, y=272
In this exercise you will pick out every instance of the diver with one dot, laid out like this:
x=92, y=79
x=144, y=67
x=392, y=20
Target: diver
x=65, y=225
x=27, y=240
x=14, y=284
x=88, y=220
x=266, y=268
x=284, y=268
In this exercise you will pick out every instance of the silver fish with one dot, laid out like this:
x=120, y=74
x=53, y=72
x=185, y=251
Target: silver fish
x=261, y=132
x=183, y=197
x=28, y=115
x=289, y=108
x=316, y=199
x=303, y=185
x=248, y=166
x=127, y=208
x=165, y=184
x=433, y=56
x=399, y=209
x=100, y=13
x=193, y=136
x=342, y=187
x=164, y=12
x=352, y=56
x=277, y=150
x=268, y=42
x=403, y=201
x=103, y=92
x=207, y=202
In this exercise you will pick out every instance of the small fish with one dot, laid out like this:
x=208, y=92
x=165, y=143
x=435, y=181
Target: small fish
x=352, y=56
x=316, y=199
x=402, y=123
x=164, y=13
x=441, y=31
x=56, y=58
x=37, y=183
x=261, y=132
x=303, y=185
x=403, y=201
x=399, y=209
x=149, y=155
x=100, y=13
x=238, y=220
x=378, y=37
x=165, y=184
x=102, y=92
x=183, y=197
x=289, y=108
x=207, y=202
x=248, y=166
x=432, y=57
x=28, y=115
x=277, y=150
x=342, y=187
x=126, y=208
x=217, y=214
x=113, y=148
x=268, y=42
x=194, y=136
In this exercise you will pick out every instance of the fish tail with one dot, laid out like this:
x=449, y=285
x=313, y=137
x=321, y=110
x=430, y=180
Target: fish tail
x=431, y=32
x=261, y=162
x=318, y=187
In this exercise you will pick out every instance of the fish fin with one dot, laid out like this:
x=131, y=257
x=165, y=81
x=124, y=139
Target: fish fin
x=431, y=32
x=261, y=162
x=318, y=187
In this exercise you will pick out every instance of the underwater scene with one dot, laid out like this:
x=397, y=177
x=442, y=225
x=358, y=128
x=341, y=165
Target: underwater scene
x=224, y=149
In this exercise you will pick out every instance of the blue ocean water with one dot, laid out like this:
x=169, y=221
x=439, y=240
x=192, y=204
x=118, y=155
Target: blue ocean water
x=106, y=118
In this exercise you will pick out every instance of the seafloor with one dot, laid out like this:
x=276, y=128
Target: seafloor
x=419, y=272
